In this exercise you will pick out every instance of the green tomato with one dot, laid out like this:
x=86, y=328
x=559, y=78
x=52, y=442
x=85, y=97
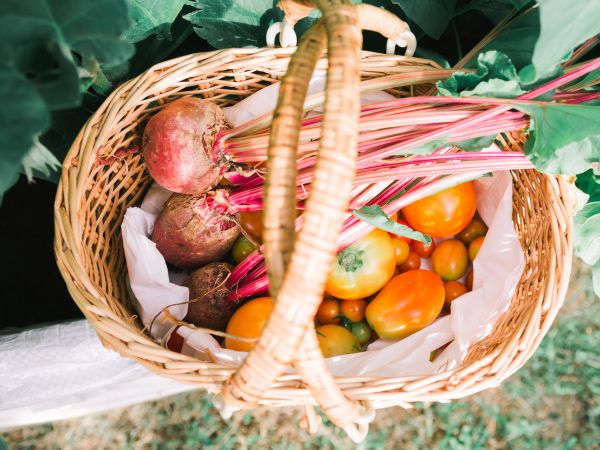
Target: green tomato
x=242, y=248
x=362, y=331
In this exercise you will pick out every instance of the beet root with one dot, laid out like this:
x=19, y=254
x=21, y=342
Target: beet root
x=209, y=307
x=178, y=145
x=190, y=233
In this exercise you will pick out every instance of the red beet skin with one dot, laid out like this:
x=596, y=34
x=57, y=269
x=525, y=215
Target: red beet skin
x=190, y=233
x=177, y=145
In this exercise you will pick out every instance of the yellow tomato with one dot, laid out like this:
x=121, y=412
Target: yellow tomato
x=363, y=268
x=248, y=322
x=336, y=340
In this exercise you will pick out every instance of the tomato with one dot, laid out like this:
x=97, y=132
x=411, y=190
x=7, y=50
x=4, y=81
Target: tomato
x=248, y=322
x=453, y=290
x=251, y=222
x=353, y=310
x=402, y=250
x=449, y=259
x=469, y=280
x=335, y=340
x=474, y=247
x=362, y=331
x=412, y=262
x=475, y=229
x=363, y=268
x=242, y=248
x=422, y=249
x=401, y=222
x=445, y=213
x=329, y=312
x=175, y=341
x=408, y=303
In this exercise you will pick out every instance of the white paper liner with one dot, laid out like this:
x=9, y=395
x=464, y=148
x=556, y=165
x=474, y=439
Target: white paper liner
x=497, y=270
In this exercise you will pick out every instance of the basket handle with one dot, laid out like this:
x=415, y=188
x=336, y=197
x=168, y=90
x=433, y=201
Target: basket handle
x=299, y=293
x=370, y=18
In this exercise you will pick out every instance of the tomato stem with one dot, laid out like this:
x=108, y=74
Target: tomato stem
x=350, y=259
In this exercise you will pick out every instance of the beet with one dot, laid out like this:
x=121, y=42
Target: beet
x=208, y=290
x=178, y=145
x=190, y=232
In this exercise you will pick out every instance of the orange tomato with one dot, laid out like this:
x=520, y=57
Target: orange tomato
x=453, y=290
x=402, y=250
x=449, y=259
x=469, y=280
x=475, y=229
x=353, y=310
x=408, y=303
x=335, y=340
x=248, y=322
x=363, y=268
x=422, y=249
x=413, y=262
x=329, y=312
x=474, y=247
x=445, y=213
x=251, y=222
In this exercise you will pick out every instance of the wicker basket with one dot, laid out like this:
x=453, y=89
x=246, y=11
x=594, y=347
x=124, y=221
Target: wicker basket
x=99, y=182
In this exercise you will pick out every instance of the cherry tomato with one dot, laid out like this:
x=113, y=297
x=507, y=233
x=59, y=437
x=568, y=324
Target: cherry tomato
x=474, y=247
x=335, y=340
x=413, y=262
x=251, y=222
x=402, y=250
x=422, y=249
x=362, y=331
x=449, y=259
x=445, y=213
x=469, y=280
x=242, y=248
x=408, y=303
x=401, y=222
x=248, y=322
x=453, y=290
x=329, y=312
x=475, y=229
x=363, y=268
x=353, y=310
x=175, y=341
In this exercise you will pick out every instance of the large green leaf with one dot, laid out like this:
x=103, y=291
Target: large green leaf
x=564, y=138
x=432, y=16
x=152, y=17
x=587, y=239
x=496, y=76
x=589, y=182
x=564, y=26
x=233, y=23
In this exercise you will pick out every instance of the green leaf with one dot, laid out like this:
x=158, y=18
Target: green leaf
x=39, y=159
x=23, y=116
x=233, y=23
x=432, y=16
x=564, y=138
x=152, y=17
x=586, y=239
x=589, y=182
x=495, y=10
x=375, y=216
x=564, y=26
x=496, y=76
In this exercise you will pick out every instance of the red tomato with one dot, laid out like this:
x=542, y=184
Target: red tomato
x=353, y=310
x=474, y=247
x=449, y=259
x=453, y=290
x=363, y=268
x=251, y=222
x=412, y=262
x=335, y=340
x=422, y=249
x=408, y=303
x=248, y=322
x=329, y=312
x=402, y=250
x=445, y=213
x=475, y=229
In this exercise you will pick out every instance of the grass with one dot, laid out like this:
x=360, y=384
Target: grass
x=551, y=403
